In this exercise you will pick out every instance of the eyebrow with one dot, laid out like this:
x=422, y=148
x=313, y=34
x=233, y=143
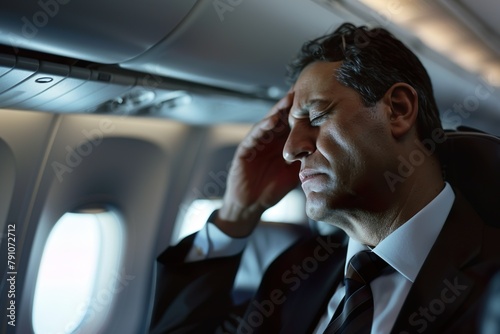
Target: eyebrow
x=304, y=110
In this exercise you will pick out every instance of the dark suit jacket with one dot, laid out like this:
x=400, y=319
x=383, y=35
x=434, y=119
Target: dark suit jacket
x=295, y=290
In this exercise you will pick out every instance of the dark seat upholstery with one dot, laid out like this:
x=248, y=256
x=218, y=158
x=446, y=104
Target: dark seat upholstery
x=471, y=163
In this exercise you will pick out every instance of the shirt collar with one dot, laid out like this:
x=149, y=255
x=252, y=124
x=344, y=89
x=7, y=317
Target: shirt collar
x=407, y=247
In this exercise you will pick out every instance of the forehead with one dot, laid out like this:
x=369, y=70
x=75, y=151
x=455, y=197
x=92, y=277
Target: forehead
x=318, y=77
x=317, y=87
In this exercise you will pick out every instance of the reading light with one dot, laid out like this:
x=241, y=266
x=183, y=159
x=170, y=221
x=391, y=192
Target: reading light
x=440, y=30
x=43, y=80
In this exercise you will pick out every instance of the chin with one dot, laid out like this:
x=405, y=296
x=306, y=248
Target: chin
x=317, y=208
x=320, y=207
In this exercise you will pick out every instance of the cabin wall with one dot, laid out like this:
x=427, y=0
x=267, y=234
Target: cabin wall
x=56, y=163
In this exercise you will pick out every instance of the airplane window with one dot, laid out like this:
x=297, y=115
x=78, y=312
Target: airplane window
x=196, y=215
x=78, y=272
x=291, y=209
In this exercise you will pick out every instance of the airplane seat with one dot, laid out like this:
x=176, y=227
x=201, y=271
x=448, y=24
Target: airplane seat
x=266, y=243
x=471, y=163
x=490, y=322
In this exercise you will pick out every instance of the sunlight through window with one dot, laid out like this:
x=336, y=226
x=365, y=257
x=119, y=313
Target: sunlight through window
x=291, y=209
x=72, y=268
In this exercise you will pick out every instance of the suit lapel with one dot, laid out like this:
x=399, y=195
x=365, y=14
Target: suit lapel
x=301, y=281
x=442, y=286
x=311, y=300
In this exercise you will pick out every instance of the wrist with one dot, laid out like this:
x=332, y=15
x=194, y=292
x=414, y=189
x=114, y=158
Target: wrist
x=237, y=222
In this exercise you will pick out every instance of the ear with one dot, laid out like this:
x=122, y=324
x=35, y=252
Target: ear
x=402, y=100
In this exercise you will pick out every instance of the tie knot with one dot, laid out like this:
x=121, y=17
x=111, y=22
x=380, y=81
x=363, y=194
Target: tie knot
x=365, y=266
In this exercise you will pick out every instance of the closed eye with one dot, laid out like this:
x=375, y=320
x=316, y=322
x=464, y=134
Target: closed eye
x=318, y=117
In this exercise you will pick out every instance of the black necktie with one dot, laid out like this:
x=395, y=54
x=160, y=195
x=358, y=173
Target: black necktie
x=355, y=312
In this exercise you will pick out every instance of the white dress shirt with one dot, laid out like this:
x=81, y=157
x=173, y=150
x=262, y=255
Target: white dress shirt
x=405, y=250
x=210, y=242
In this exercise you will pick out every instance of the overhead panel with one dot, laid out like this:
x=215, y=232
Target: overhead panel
x=76, y=77
x=7, y=62
x=22, y=69
x=45, y=77
x=99, y=88
x=63, y=88
x=93, y=30
x=31, y=84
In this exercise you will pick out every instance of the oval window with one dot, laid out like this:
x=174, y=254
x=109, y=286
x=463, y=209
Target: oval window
x=291, y=209
x=80, y=261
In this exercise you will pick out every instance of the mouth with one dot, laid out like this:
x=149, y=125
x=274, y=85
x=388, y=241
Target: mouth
x=308, y=175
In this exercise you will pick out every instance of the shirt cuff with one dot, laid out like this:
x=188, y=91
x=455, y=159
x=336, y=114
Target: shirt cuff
x=210, y=242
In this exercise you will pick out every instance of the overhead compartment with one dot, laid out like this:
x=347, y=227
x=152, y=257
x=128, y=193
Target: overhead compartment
x=92, y=30
x=32, y=84
x=239, y=45
x=28, y=83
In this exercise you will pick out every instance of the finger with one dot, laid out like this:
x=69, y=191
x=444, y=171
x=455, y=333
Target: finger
x=285, y=103
x=274, y=125
x=270, y=128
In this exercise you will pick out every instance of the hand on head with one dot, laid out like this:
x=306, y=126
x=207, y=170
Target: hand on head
x=259, y=176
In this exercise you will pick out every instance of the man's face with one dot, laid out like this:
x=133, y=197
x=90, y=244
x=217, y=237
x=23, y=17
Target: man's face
x=344, y=147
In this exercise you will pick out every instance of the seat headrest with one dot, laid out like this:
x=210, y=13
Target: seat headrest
x=471, y=163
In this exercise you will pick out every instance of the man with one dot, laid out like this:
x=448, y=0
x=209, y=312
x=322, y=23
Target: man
x=352, y=128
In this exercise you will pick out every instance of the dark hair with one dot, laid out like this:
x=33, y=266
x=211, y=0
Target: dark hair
x=372, y=61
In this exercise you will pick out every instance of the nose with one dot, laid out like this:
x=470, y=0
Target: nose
x=301, y=141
